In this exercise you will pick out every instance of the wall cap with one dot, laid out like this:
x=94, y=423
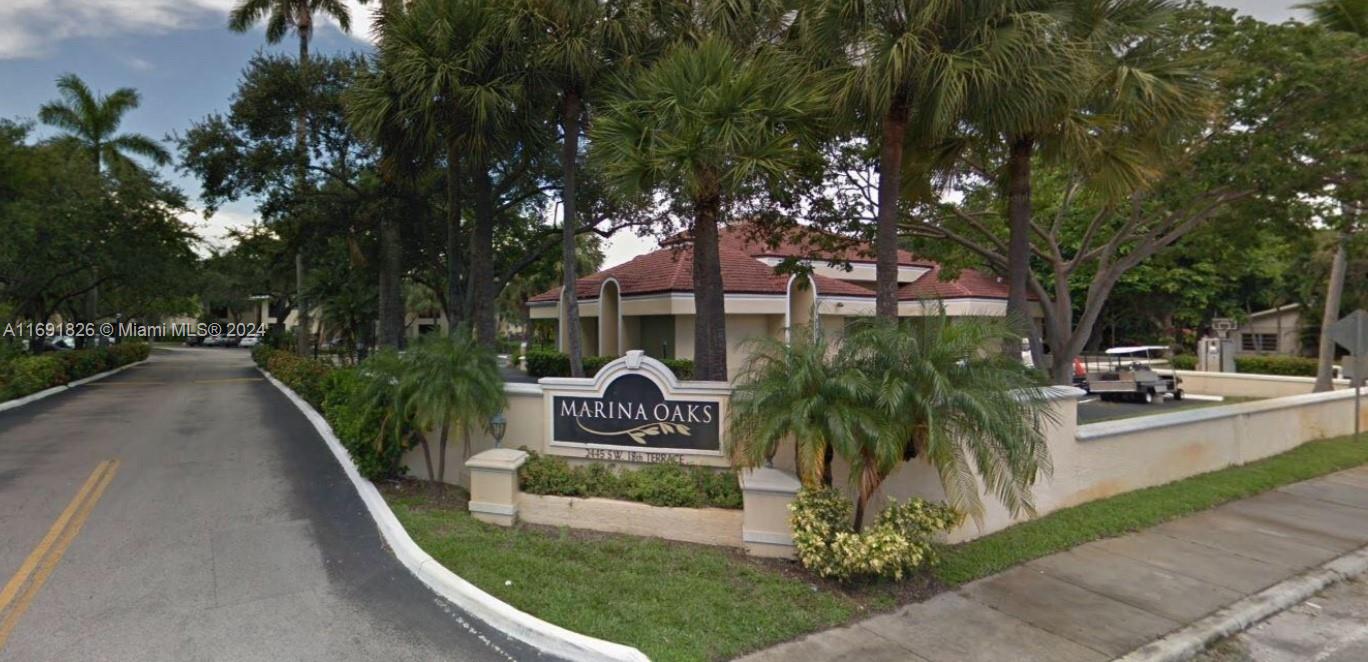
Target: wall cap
x=770, y=480
x=1254, y=376
x=498, y=459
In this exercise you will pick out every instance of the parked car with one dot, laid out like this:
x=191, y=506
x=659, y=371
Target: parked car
x=213, y=341
x=231, y=341
x=60, y=343
x=194, y=341
x=249, y=341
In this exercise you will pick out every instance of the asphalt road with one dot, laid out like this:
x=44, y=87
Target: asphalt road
x=1091, y=409
x=185, y=510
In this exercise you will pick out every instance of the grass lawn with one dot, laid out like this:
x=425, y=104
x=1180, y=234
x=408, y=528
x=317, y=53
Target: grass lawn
x=1143, y=508
x=674, y=601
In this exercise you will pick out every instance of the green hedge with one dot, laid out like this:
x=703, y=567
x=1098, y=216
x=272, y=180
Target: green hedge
x=550, y=363
x=665, y=484
x=1295, y=366
x=27, y=374
x=336, y=393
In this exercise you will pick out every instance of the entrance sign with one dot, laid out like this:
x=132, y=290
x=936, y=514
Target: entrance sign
x=635, y=410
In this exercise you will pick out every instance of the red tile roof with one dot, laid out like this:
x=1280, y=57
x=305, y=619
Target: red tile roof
x=670, y=269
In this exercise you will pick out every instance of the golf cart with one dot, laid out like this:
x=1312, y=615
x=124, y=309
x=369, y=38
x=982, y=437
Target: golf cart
x=1128, y=374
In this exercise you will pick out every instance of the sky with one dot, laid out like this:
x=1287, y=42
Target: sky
x=185, y=63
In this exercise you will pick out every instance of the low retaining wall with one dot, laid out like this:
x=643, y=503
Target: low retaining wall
x=707, y=526
x=1104, y=459
x=1244, y=385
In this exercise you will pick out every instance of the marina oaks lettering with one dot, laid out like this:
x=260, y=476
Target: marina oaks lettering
x=636, y=411
x=635, y=414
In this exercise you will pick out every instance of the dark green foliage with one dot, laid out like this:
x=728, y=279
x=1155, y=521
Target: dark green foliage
x=340, y=394
x=359, y=427
x=23, y=375
x=550, y=363
x=666, y=484
x=1295, y=366
x=304, y=376
x=545, y=363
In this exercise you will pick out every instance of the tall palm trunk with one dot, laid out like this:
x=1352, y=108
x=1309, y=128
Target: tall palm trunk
x=481, y=281
x=391, y=293
x=304, y=26
x=886, y=233
x=455, y=298
x=570, y=124
x=1019, y=241
x=1333, y=294
x=710, y=330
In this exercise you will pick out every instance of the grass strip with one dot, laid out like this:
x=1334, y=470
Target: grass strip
x=673, y=601
x=1140, y=509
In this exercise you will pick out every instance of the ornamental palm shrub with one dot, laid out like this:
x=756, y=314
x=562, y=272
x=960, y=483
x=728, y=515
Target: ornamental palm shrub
x=797, y=391
x=448, y=382
x=945, y=393
x=926, y=387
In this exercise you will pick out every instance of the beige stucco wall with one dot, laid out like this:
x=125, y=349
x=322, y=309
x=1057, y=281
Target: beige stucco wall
x=1243, y=385
x=707, y=526
x=526, y=427
x=1105, y=459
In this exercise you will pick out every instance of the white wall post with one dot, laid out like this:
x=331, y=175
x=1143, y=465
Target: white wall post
x=765, y=529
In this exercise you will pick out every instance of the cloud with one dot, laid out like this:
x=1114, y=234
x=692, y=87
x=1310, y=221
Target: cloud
x=31, y=28
x=214, y=230
x=35, y=28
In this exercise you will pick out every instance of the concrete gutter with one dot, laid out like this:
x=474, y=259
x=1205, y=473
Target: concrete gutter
x=546, y=637
x=34, y=397
x=1188, y=642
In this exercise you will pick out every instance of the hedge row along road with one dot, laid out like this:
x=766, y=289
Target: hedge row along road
x=184, y=509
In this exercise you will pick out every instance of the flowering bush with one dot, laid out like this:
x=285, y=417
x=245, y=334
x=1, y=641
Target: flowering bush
x=897, y=543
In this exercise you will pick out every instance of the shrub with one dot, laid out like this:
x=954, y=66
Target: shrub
x=683, y=368
x=1185, y=362
x=546, y=363
x=543, y=362
x=30, y=374
x=359, y=426
x=303, y=376
x=667, y=484
x=896, y=544
x=1295, y=366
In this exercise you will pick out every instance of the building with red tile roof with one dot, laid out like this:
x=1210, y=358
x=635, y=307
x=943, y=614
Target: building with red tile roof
x=647, y=302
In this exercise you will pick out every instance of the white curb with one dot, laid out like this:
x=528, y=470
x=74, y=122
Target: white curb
x=546, y=637
x=34, y=397
x=1188, y=642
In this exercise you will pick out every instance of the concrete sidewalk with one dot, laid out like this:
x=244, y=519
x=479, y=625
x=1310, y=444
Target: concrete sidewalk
x=1104, y=599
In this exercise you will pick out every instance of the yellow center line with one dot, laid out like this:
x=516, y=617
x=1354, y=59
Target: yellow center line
x=51, y=549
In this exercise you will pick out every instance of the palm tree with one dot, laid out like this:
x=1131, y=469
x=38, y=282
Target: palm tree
x=91, y=122
x=708, y=125
x=1341, y=16
x=573, y=44
x=908, y=70
x=1091, y=88
x=927, y=388
x=450, y=62
x=794, y=391
x=449, y=381
x=282, y=17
